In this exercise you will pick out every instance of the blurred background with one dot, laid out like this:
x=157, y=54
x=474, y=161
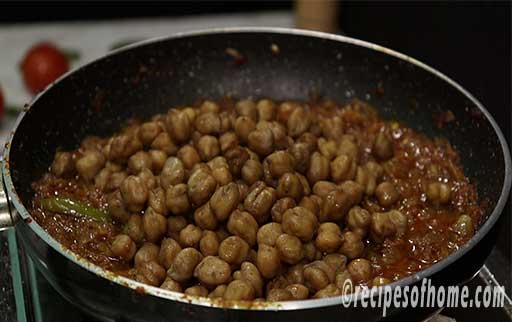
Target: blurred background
x=468, y=41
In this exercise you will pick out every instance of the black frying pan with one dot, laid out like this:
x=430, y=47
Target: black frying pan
x=149, y=77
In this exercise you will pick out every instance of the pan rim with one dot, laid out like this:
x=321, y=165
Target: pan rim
x=268, y=306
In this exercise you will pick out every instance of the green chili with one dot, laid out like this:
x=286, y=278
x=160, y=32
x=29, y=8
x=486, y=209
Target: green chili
x=69, y=206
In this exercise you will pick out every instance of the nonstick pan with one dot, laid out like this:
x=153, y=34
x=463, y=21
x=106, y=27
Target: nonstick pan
x=149, y=77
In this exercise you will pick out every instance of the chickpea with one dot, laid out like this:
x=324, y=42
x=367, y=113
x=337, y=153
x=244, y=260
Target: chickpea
x=150, y=273
x=155, y=225
x=353, y=190
x=135, y=229
x=365, y=178
x=341, y=281
x=329, y=238
x=463, y=227
x=222, y=233
x=284, y=110
x=176, y=199
x=148, y=179
x=179, y=125
x=117, y=207
x=174, y=225
x=318, y=168
x=208, y=123
x=261, y=141
x=236, y=158
x=208, y=147
x=252, y=171
x=268, y=234
x=268, y=261
x=209, y=106
x=205, y=218
x=124, y=247
x=335, y=206
x=249, y=272
x=197, y=290
x=164, y=143
x=190, y=236
x=182, y=268
x=121, y=147
x=148, y=132
x=299, y=222
x=171, y=285
x=212, y=271
x=173, y=173
x=348, y=147
x=224, y=200
x=300, y=156
x=158, y=158
x=328, y=148
x=337, y=262
x=89, y=164
x=383, y=147
x=381, y=226
x=169, y=248
x=266, y=110
x=352, y=246
x=298, y=122
x=233, y=250
x=134, y=193
x=289, y=185
x=156, y=200
x=279, y=295
x=239, y=290
x=243, y=225
x=279, y=163
x=295, y=274
x=189, y=156
x=201, y=186
x=343, y=168
x=290, y=249
x=332, y=128
x=360, y=269
x=311, y=203
x=328, y=291
x=386, y=194
x=438, y=193
x=244, y=125
x=323, y=188
x=399, y=220
x=146, y=253
x=228, y=141
x=222, y=175
x=218, y=292
x=259, y=200
x=209, y=243
x=358, y=220
x=317, y=275
x=218, y=162
x=298, y=291
x=310, y=251
x=63, y=164
x=278, y=282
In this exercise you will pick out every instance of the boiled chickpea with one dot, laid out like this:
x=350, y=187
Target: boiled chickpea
x=189, y=156
x=383, y=147
x=117, y=207
x=380, y=280
x=285, y=109
x=134, y=193
x=121, y=147
x=156, y=200
x=158, y=159
x=295, y=274
x=134, y=228
x=279, y=163
x=268, y=234
x=280, y=206
x=155, y=225
x=259, y=200
x=218, y=292
x=353, y=190
x=239, y=290
x=261, y=141
x=298, y=122
x=360, y=269
x=328, y=291
x=208, y=147
x=176, y=199
x=298, y=291
x=89, y=164
x=150, y=273
x=335, y=206
x=332, y=128
x=317, y=275
x=209, y=243
x=318, y=168
x=300, y=156
x=328, y=148
x=201, y=185
x=146, y=253
x=209, y=106
x=352, y=246
x=266, y=110
x=171, y=285
x=252, y=171
x=279, y=295
x=342, y=281
x=386, y=194
x=322, y=188
x=290, y=249
x=300, y=222
x=236, y=158
x=348, y=147
x=196, y=290
x=184, y=264
x=224, y=200
x=268, y=261
x=124, y=247
x=329, y=238
x=250, y=273
x=289, y=185
x=173, y=173
x=243, y=225
x=169, y=248
x=463, y=227
x=212, y=271
x=358, y=220
x=163, y=142
x=233, y=250
x=179, y=126
x=63, y=164
x=365, y=178
x=311, y=203
x=174, y=225
x=228, y=141
x=139, y=161
x=343, y=168
x=148, y=132
x=337, y=262
x=190, y=236
x=438, y=192
x=244, y=125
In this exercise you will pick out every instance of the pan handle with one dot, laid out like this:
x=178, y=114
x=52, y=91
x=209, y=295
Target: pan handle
x=6, y=217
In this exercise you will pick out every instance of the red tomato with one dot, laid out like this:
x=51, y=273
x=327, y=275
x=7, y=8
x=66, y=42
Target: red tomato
x=42, y=64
